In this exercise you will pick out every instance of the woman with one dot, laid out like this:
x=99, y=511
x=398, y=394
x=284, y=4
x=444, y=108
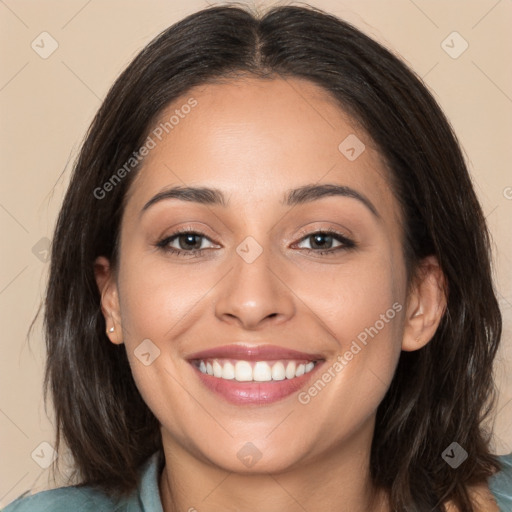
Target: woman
x=270, y=285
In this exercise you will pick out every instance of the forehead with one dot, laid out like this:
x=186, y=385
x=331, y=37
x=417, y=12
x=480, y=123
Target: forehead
x=254, y=139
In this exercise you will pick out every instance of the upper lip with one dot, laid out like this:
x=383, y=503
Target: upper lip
x=253, y=353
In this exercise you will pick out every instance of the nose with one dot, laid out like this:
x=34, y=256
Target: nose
x=254, y=294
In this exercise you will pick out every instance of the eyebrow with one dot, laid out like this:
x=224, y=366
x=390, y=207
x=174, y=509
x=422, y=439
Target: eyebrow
x=293, y=197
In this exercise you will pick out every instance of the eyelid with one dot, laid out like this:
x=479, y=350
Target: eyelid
x=343, y=232
x=164, y=240
x=187, y=228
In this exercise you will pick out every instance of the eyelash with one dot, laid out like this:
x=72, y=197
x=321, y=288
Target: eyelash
x=196, y=253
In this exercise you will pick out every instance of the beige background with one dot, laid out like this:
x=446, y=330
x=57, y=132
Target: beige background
x=47, y=104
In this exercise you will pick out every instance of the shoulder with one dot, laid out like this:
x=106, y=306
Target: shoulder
x=90, y=499
x=63, y=499
x=500, y=484
x=496, y=495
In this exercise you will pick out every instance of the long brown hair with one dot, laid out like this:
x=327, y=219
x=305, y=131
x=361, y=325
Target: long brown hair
x=439, y=394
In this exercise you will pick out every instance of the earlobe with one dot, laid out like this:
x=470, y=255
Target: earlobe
x=109, y=301
x=425, y=306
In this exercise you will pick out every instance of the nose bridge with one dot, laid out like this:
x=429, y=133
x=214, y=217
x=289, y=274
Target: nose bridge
x=253, y=290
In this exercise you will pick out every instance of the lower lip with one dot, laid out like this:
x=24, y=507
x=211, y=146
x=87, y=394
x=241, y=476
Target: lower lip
x=255, y=393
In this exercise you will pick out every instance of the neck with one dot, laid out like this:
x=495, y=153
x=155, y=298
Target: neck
x=336, y=480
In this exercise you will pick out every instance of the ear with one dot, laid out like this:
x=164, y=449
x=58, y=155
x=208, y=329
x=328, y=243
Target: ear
x=426, y=305
x=107, y=286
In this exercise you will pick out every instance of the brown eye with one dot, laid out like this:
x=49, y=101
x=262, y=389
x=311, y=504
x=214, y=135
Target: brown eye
x=322, y=242
x=186, y=242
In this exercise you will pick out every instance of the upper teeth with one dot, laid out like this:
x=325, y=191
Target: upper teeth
x=258, y=371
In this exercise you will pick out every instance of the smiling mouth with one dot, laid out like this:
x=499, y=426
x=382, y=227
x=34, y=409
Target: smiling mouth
x=254, y=375
x=254, y=371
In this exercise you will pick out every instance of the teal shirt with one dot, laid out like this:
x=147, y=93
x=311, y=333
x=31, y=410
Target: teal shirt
x=146, y=498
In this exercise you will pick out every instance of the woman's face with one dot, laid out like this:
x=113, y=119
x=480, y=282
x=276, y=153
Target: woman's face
x=266, y=282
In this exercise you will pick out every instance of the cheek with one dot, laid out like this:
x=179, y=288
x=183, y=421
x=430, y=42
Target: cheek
x=355, y=296
x=155, y=300
x=156, y=297
x=362, y=311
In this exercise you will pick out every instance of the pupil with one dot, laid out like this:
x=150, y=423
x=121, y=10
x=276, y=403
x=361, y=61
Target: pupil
x=320, y=236
x=188, y=238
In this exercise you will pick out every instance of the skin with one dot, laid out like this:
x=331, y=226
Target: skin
x=255, y=140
